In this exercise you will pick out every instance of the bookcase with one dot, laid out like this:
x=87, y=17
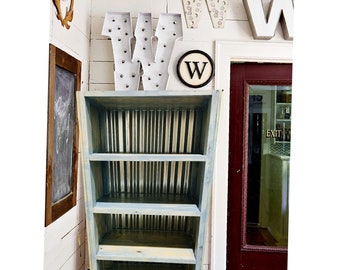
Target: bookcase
x=147, y=163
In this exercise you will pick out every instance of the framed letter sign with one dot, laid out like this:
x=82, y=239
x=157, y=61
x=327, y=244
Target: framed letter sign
x=62, y=136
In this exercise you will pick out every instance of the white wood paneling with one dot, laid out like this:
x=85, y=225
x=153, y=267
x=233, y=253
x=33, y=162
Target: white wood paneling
x=76, y=261
x=81, y=21
x=100, y=7
x=96, y=27
x=65, y=243
x=101, y=72
x=64, y=237
x=101, y=87
x=101, y=50
x=233, y=30
x=75, y=39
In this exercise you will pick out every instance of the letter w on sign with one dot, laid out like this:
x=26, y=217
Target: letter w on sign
x=279, y=10
x=216, y=8
x=152, y=51
x=195, y=69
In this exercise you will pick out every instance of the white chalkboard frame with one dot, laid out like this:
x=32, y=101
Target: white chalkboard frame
x=54, y=210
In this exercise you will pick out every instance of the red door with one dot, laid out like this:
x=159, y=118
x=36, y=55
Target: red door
x=259, y=156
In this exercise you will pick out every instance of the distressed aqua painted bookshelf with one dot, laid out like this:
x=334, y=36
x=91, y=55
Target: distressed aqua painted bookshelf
x=147, y=164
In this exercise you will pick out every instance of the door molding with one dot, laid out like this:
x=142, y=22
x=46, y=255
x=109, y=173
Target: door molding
x=227, y=52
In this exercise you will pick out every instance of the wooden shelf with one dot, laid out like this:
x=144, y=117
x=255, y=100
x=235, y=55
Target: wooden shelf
x=161, y=198
x=151, y=238
x=146, y=254
x=147, y=209
x=147, y=204
x=149, y=99
x=145, y=266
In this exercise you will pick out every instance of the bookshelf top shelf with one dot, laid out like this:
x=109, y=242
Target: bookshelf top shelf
x=148, y=99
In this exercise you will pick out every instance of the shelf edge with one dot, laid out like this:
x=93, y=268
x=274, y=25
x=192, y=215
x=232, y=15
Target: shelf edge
x=146, y=254
x=147, y=209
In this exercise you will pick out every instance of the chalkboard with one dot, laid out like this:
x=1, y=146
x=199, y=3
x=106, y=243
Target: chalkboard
x=64, y=123
x=62, y=134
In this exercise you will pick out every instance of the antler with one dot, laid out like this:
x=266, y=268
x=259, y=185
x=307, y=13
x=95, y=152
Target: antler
x=57, y=6
x=68, y=16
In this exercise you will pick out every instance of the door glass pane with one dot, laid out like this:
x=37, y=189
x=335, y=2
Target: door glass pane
x=269, y=135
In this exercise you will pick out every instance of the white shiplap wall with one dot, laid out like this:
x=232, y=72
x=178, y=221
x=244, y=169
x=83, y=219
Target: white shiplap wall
x=65, y=243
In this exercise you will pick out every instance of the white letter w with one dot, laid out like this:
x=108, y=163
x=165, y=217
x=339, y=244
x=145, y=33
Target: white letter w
x=265, y=28
x=152, y=53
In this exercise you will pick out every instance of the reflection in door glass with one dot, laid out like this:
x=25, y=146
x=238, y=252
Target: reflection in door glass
x=269, y=134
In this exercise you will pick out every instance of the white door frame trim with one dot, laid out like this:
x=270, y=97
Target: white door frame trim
x=227, y=52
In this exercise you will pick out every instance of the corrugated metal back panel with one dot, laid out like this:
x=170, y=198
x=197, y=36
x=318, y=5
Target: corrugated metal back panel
x=153, y=178
x=149, y=222
x=150, y=131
